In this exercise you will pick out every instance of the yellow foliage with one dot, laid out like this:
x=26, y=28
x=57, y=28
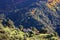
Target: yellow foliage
x=52, y=3
x=7, y=30
x=33, y=11
x=15, y=34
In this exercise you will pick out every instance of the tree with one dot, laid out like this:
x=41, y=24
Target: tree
x=33, y=28
x=21, y=27
x=2, y=16
x=10, y=23
x=43, y=30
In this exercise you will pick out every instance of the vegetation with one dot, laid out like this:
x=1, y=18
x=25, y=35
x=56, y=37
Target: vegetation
x=10, y=32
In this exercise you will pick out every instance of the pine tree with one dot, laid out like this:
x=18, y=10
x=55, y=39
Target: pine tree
x=21, y=27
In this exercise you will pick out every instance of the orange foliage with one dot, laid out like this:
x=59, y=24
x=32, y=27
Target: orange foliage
x=33, y=11
x=52, y=3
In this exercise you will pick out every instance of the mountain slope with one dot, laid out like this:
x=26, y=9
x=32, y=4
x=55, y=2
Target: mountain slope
x=34, y=13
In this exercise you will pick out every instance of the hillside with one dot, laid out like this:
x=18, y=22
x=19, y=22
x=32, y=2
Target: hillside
x=40, y=14
x=10, y=32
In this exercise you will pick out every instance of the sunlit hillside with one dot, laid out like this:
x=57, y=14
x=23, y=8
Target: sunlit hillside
x=10, y=32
